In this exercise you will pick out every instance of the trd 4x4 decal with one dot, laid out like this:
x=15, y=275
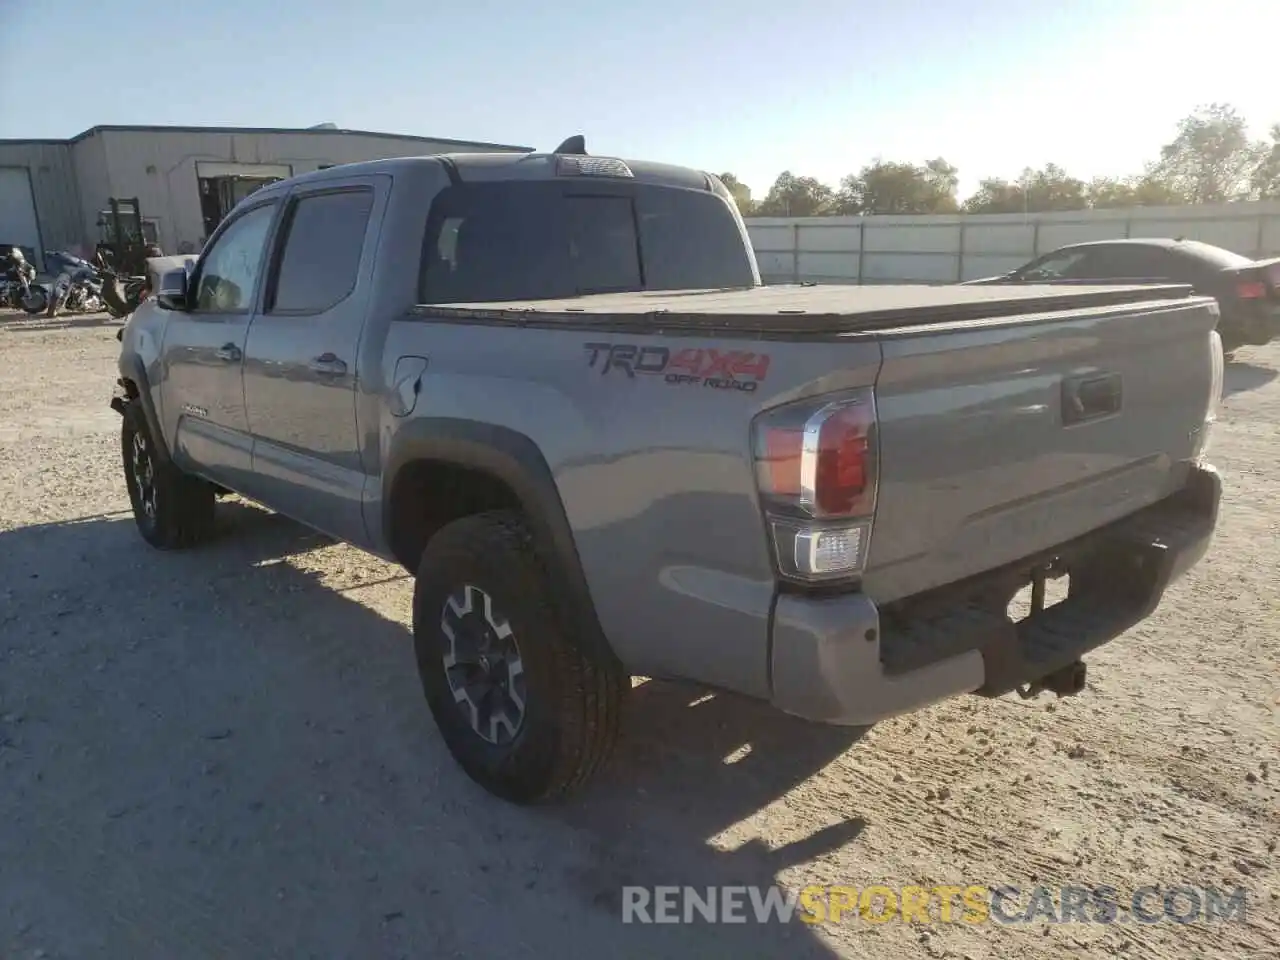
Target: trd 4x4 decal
x=689, y=366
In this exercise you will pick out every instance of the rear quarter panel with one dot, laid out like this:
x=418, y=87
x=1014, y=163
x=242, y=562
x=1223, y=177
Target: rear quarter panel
x=656, y=478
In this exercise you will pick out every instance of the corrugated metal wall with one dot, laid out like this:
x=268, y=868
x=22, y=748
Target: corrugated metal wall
x=53, y=187
x=160, y=167
x=945, y=249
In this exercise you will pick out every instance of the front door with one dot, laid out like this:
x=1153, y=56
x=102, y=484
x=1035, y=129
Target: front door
x=301, y=359
x=203, y=392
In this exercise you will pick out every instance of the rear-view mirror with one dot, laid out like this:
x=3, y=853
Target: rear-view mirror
x=172, y=294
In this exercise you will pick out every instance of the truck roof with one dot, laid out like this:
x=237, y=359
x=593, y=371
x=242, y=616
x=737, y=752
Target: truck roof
x=507, y=166
x=797, y=309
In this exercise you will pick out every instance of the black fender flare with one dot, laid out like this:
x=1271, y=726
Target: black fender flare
x=516, y=460
x=132, y=369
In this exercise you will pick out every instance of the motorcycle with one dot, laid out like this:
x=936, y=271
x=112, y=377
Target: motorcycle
x=20, y=295
x=77, y=288
x=16, y=279
x=121, y=295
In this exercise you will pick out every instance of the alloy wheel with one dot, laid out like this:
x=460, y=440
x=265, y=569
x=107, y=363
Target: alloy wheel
x=483, y=665
x=144, y=475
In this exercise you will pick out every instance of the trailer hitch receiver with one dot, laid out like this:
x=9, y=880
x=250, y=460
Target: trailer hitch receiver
x=1065, y=682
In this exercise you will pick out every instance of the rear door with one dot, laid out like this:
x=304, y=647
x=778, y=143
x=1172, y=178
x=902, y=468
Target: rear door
x=301, y=357
x=202, y=393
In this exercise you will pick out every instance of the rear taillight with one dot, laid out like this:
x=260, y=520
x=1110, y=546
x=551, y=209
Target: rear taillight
x=816, y=471
x=1251, y=290
x=1217, y=376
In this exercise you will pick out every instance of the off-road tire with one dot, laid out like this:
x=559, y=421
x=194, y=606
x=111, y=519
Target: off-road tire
x=182, y=514
x=575, y=686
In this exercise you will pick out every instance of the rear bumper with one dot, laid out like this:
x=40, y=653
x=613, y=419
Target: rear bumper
x=841, y=660
x=1251, y=323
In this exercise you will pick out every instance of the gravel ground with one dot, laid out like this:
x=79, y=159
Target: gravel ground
x=225, y=753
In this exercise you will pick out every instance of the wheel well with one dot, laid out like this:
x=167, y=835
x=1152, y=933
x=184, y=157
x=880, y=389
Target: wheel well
x=427, y=494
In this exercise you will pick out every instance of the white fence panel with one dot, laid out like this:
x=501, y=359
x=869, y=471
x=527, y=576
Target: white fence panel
x=830, y=238
x=945, y=249
x=1238, y=235
x=1012, y=239
x=1054, y=235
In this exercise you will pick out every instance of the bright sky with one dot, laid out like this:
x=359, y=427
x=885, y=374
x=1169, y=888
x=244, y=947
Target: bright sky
x=819, y=87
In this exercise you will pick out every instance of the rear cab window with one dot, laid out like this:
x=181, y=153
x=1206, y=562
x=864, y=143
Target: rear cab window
x=529, y=240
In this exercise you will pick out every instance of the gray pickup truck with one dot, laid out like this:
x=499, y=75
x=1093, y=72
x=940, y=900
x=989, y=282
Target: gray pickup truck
x=552, y=387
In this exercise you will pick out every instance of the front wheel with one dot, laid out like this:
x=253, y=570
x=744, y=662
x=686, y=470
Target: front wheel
x=35, y=301
x=172, y=509
x=527, y=706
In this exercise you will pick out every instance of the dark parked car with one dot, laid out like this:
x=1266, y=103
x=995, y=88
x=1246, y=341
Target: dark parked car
x=1247, y=291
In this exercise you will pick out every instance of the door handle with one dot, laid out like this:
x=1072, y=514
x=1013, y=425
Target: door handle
x=329, y=364
x=1091, y=396
x=229, y=352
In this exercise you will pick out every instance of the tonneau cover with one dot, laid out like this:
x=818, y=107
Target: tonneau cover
x=812, y=309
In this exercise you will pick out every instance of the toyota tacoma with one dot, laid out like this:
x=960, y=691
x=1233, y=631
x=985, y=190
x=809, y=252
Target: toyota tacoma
x=553, y=388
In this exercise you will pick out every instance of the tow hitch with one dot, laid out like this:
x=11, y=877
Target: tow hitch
x=1066, y=681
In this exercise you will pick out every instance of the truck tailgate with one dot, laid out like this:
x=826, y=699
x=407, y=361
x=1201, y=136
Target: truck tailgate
x=998, y=441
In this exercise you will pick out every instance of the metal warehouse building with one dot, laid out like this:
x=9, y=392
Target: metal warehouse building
x=54, y=193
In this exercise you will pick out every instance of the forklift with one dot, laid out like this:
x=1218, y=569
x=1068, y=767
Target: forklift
x=122, y=240
x=121, y=255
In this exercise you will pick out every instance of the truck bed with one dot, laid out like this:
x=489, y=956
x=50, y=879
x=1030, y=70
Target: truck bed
x=800, y=310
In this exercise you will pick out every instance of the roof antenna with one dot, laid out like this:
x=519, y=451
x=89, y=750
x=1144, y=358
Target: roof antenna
x=576, y=144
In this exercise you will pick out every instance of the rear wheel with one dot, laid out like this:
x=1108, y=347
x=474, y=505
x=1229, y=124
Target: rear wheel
x=527, y=707
x=172, y=509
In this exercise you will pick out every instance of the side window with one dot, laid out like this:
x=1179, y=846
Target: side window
x=229, y=273
x=323, y=239
x=1060, y=265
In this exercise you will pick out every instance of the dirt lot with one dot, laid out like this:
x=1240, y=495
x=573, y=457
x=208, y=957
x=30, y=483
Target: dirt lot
x=225, y=753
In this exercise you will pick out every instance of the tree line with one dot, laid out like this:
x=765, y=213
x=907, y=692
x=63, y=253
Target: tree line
x=1212, y=159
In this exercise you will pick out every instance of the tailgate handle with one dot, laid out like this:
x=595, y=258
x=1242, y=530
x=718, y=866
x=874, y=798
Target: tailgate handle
x=1090, y=396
